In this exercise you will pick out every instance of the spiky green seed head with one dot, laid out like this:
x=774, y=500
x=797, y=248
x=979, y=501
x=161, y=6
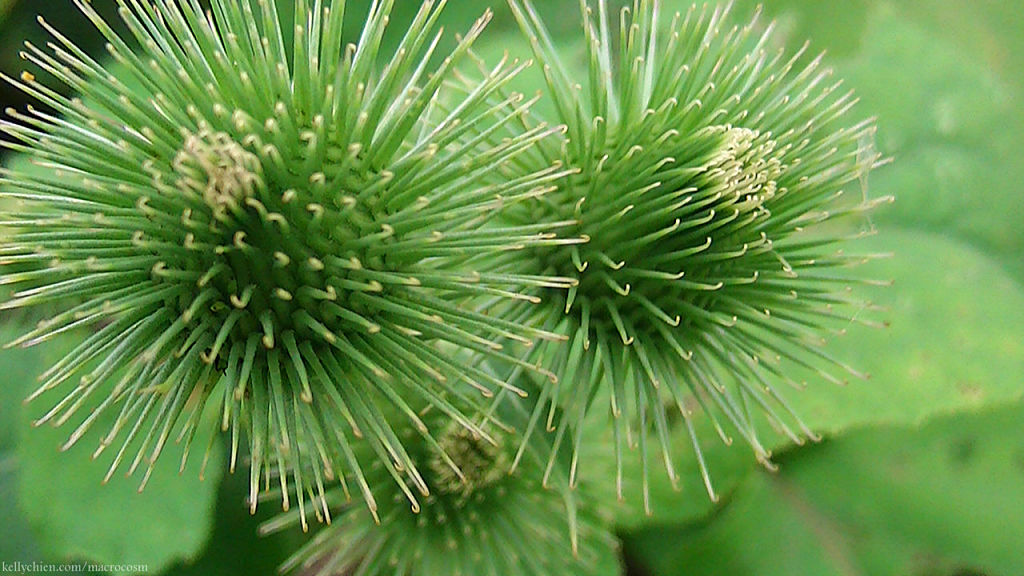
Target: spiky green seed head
x=283, y=235
x=715, y=180
x=480, y=520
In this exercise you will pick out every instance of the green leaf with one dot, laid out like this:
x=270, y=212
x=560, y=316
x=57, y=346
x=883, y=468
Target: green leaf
x=837, y=27
x=235, y=547
x=953, y=128
x=18, y=543
x=5, y=8
x=955, y=340
x=77, y=517
x=955, y=343
x=19, y=367
x=940, y=500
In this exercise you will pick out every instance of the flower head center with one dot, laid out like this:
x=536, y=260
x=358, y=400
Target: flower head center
x=219, y=169
x=480, y=462
x=748, y=167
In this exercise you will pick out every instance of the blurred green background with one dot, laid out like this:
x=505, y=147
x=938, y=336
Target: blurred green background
x=921, y=472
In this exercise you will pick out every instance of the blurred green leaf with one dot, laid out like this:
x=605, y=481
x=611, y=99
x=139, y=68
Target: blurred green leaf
x=18, y=543
x=5, y=9
x=955, y=343
x=235, y=547
x=75, y=516
x=953, y=127
x=835, y=27
x=988, y=33
x=955, y=340
x=19, y=367
x=935, y=501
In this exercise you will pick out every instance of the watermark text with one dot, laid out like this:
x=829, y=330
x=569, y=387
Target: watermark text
x=71, y=568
